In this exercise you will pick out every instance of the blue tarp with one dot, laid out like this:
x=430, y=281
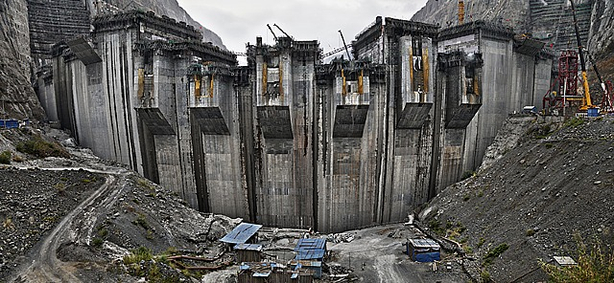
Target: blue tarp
x=9, y=124
x=426, y=257
x=241, y=233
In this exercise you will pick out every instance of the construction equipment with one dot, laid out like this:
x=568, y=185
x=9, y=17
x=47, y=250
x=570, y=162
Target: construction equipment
x=586, y=103
x=346, y=46
x=282, y=31
x=270, y=29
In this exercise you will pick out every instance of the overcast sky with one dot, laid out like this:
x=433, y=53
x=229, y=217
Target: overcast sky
x=240, y=21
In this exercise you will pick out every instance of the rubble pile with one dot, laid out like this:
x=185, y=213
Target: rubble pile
x=534, y=199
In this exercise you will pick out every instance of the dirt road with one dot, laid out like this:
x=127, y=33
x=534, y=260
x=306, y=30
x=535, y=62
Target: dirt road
x=45, y=266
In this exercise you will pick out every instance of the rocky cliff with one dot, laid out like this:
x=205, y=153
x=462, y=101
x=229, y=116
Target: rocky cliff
x=602, y=28
x=171, y=9
x=547, y=20
x=17, y=98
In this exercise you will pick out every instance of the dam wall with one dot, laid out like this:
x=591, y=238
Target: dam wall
x=287, y=140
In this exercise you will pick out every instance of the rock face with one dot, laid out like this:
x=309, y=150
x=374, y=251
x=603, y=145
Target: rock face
x=602, y=28
x=17, y=98
x=445, y=13
x=171, y=9
x=547, y=20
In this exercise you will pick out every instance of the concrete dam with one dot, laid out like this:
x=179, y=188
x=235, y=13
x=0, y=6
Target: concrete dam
x=289, y=140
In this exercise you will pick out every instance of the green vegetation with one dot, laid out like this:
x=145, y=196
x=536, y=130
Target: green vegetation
x=39, y=147
x=140, y=263
x=137, y=255
x=145, y=184
x=435, y=226
x=481, y=242
x=5, y=157
x=574, y=122
x=8, y=224
x=466, y=197
x=60, y=187
x=530, y=232
x=485, y=276
x=141, y=221
x=494, y=253
x=468, y=174
x=97, y=242
x=548, y=145
x=595, y=264
x=540, y=131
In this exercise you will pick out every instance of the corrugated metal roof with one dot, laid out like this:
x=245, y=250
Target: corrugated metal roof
x=248, y=247
x=310, y=244
x=424, y=243
x=309, y=254
x=241, y=233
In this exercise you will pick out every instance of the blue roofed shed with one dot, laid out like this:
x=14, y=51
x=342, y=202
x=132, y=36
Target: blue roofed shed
x=248, y=252
x=241, y=234
x=423, y=250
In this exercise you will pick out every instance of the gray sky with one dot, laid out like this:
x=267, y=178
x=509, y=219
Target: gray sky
x=240, y=21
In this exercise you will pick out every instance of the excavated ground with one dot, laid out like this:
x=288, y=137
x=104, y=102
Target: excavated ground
x=37, y=193
x=555, y=183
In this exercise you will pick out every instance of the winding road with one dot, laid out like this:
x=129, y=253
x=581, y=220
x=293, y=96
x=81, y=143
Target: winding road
x=45, y=266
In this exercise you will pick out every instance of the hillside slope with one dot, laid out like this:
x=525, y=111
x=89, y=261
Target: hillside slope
x=556, y=182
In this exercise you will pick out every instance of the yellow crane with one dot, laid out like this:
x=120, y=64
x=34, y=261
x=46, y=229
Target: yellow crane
x=586, y=102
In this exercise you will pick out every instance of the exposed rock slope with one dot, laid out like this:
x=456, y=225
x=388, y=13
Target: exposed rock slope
x=17, y=98
x=555, y=183
x=171, y=9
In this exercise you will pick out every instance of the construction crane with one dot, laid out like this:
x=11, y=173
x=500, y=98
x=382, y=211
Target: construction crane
x=347, y=51
x=270, y=29
x=586, y=102
x=282, y=31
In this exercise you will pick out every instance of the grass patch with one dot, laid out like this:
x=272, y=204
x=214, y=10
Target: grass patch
x=435, y=226
x=485, y=276
x=595, y=264
x=494, y=253
x=468, y=174
x=8, y=224
x=60, y=187
x=145, y=184
x=97, y=242
x=141, y=221
x=137, y=255
x=530, y=232
x=574, y=122
x=5, y=157
x=481, y=242
x=39, y=147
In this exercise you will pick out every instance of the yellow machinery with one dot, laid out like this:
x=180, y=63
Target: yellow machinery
x=586, y=101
